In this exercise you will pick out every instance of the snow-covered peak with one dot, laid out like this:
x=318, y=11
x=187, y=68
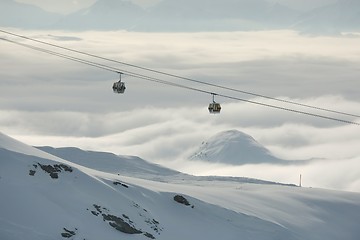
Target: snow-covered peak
x=233, y=147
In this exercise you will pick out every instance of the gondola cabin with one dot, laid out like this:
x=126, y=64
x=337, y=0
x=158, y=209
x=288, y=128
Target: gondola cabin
x=119, y=87
x=214, y=108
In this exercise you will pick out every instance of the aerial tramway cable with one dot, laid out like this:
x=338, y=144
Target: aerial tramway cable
x=184, y=78
x=157, y=80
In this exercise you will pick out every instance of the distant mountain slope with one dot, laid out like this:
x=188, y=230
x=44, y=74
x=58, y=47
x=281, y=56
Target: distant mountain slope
x=235, y=148
x=111, y=163
x=135, y=166
x=188, y=16
x=167, y=15
x=213, y=15
x=342, y=16
x=15, y=14
x=104, y=15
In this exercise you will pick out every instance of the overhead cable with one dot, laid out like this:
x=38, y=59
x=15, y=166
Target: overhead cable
x=157, y=80
x=185, y=78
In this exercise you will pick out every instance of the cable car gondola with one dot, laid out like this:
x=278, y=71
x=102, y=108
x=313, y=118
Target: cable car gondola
x=119, y=86
x=214, y=107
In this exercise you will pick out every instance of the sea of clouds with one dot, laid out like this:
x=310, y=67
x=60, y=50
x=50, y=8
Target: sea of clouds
x=47, y=100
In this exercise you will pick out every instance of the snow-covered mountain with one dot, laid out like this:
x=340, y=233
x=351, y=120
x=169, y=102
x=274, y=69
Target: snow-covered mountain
x=104, y=15
x=171, y=15
x=212, y=15
x=235, y=148
x=47, y=197
x=200, y=15
x=111, y=163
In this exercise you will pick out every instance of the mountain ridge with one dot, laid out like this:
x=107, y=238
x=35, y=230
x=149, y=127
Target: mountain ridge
x=103, y=15
x=188, y=16
x=111, y=163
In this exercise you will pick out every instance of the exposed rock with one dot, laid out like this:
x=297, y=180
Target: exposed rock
x=32, y=172
x=67, y=233
x=121, y=184
x=155, y=225
x=120, y=225
x=116, y=222
x=149, y=235
x=98, y=208
x=124, y=224
x=54, y=170
x=182, y=200
x=95, y=213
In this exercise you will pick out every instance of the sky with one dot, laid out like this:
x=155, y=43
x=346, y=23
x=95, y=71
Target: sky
x=47, y=100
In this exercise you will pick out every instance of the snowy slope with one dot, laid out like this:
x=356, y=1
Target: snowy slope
x=235, y=148
x=111, y=163
x=136, y=167
x=45, y=197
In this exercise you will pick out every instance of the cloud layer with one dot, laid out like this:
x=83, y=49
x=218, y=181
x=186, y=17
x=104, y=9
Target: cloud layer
x=50, y=101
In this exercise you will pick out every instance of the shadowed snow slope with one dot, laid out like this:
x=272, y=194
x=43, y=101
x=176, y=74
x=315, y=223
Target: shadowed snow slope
x=46, y=197
x=236, y=148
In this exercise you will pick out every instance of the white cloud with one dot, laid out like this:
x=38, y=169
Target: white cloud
x=168, y=136
x=331, y=174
